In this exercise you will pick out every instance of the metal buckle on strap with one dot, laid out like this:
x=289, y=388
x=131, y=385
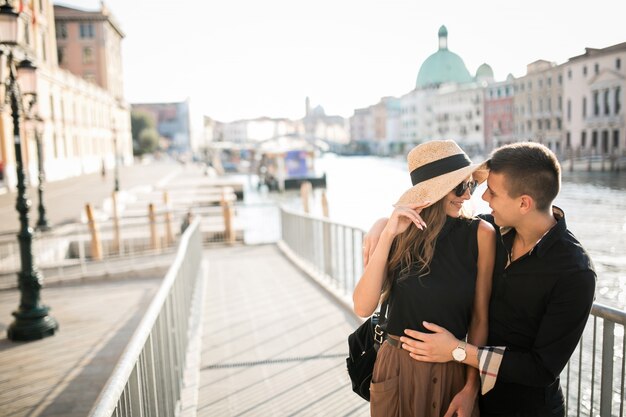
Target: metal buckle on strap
x=379, y=335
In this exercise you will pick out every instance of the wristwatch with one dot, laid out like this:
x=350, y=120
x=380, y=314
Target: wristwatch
x=459, y=353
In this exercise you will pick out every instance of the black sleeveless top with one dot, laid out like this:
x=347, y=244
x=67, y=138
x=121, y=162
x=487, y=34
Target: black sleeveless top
x=445, y=296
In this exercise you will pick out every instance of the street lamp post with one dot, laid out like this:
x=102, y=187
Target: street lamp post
x=116, y=157
x=42, y=221
x=31, y=318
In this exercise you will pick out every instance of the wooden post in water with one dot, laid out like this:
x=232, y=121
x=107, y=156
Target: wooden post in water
x=96, y=244
x=169, y=235
x=116, y=244
x=305, y=192
x=324, y=204
x=155, y=243
x=229, y=234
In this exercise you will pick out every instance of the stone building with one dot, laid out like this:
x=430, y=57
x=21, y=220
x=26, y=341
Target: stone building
x=83, y=124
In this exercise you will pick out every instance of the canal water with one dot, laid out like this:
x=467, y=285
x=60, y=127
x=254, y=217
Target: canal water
x=363, y=189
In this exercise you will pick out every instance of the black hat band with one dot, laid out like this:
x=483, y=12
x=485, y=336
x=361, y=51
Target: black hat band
x=439, y=167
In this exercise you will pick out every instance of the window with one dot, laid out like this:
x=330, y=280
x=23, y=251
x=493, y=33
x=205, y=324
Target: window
x=549, y=81
x=594, y=139
x=605, y=141
x=584, y=106
x=539, y=124
x=569, y=74
x=561, y=78
x=86, y=30
x=89, y=76
x=583, y=139
x=568, y=140
x=540, y=83
x=596, y=103
x=548, y=124
x=43, y=47
x=549, y=104
x=87, y=55
x=560, y=103
x=616, y=139
x=569, y=110
x=61, y=29
x=585, y=71
x=607, y=108
x=55, y=142
x=27, y=33
x=596, y=68
x=51, y=107
x=60, y=54
x=618, y=104
x=618, y=63
x=558, y=123
x=540, y=105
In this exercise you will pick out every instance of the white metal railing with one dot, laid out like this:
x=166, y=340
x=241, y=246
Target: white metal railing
x=147, y=380
x=66, y=254
x=594, y=378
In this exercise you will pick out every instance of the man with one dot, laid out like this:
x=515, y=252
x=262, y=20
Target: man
x=543, y=290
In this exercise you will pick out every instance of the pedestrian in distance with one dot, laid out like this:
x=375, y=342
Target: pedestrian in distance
x=543, y=291
x=432, y=262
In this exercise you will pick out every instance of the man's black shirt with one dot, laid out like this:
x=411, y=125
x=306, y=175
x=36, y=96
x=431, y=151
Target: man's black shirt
x=538, y=310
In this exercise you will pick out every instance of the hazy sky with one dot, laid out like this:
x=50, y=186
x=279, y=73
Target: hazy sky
x=249, y=58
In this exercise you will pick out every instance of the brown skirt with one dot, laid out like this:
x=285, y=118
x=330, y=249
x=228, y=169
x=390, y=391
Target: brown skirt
x=404, y=387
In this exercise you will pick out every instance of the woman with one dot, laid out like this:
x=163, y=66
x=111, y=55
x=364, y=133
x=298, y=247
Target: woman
x=432, y=263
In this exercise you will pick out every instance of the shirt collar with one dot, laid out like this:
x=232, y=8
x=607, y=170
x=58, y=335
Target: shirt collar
x=554, y=234
x=547, y=240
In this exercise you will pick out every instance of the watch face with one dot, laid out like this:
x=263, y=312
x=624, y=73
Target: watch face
x=459, y=354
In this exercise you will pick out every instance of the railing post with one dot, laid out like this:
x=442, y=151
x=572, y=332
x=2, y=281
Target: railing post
x=116, y=246
x=606, y=384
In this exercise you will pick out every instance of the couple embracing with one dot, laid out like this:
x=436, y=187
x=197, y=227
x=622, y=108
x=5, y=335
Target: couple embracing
x=482, y=313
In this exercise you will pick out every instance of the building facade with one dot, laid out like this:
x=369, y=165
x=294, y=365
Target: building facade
x=594, y=84
x=538, y=105
x=83, y=126
x=499, y=103
x=89, y=46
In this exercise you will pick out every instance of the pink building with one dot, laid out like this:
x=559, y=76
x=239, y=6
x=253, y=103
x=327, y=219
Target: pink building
x=499, y=114
x=89, y=46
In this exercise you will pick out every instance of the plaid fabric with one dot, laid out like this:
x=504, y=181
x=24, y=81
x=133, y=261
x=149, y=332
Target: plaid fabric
x=489, y=359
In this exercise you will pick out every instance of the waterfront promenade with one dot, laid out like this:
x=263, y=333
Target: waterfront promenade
x=273, y=341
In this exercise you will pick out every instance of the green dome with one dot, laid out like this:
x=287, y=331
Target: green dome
x=484, y=71
x=443, y=66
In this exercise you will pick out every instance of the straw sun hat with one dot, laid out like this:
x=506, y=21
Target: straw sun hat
x=437, y=167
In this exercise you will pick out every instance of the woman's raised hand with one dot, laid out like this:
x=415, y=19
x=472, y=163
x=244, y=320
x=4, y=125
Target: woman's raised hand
x=403, y=216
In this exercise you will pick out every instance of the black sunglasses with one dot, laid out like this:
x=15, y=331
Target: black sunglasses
x=460, y=189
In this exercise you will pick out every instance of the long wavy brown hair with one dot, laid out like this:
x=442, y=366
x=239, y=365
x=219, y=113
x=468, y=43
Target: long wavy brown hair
x=414, y=248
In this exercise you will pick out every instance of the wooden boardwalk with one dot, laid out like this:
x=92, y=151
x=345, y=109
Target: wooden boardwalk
x=62, y=375
x=273, y=342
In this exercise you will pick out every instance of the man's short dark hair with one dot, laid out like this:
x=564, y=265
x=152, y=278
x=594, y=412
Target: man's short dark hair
x=529, y=168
